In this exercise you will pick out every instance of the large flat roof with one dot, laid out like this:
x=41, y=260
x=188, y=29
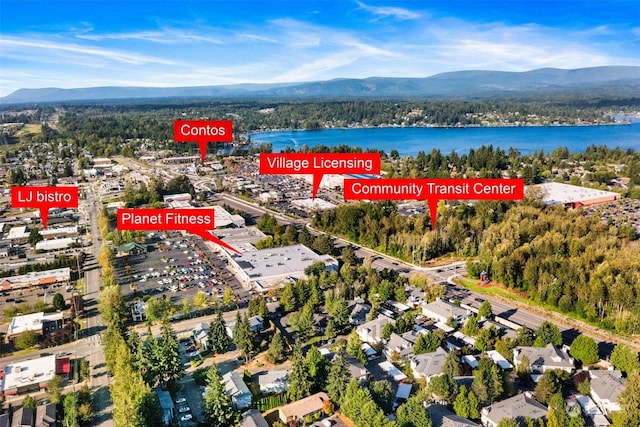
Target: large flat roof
x=36, y=278
x=30, y=322
x=555, y=193
x=27, y=372
x=279, y=262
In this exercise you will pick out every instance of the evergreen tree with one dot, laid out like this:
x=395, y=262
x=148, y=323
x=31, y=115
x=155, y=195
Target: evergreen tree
x=218, y=408
x=258, y=307
x=318, y=367
x=219, y=340
x=276, y=351
x=428, y=343
x=546, y=387
x=451, y=364
x=299, y=381
x=548, y=333
x=242, y=335
x=474, y=406
x=288, y=301
x=338, y=376
x=557, y=413
x=340, y=314
x=354, y=347
x=153, y=351
x=169, y=361
x=487, y=381
x=485, y=310
x=443, y=387
x=471, y=326
x=508, y=422
x=461, y=404
x=525, y=337
x=71, y=410
x=412, y=413
x=629, y=399
x=382, y=393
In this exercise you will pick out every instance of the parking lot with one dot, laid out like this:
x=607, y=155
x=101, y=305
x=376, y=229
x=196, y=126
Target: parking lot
x=177, y=267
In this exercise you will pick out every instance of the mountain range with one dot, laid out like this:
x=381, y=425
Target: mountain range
x=609, y=80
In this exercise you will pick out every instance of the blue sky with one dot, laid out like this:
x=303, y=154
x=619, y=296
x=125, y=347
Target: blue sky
x=72, y=44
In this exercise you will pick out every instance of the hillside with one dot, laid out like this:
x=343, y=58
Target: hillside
x=612, y=80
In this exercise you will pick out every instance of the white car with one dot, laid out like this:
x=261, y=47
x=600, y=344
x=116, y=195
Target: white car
x=183, y=409
x=181, y=400
x=186, y=417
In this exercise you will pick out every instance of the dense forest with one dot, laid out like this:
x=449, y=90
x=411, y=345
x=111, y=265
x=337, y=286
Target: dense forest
x=125, y=128
x=555, y=256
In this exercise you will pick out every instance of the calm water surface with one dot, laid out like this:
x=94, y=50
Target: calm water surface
x=409, y=141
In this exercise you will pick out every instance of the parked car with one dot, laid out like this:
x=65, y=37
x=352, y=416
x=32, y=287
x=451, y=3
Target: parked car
x=186, y=417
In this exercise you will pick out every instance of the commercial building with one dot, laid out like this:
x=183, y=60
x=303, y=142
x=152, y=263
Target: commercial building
x=572, y=196
x=266, y=268
x=36, y=278
x=56, y=244
x=34, y=322
x=33, y=374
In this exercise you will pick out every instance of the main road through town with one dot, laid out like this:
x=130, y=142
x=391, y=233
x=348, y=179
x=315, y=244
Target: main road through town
x=92, y=333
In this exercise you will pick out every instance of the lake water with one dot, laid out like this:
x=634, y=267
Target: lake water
x=409, y=141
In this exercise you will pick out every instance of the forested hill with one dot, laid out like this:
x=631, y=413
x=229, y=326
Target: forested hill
x=611, y=81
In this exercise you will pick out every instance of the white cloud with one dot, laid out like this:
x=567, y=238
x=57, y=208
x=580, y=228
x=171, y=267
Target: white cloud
x=47, y=47
x=165, y=36
x=389, y=11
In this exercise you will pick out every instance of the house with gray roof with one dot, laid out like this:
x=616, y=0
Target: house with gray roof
x=356, y=369
x=441, y=416
x=237, y=390
x=253, y=418
x=441, y=311
x=515, y=408
x=46, y=415
x=358, y=312
x=541, y=359
x=273, y=381
x=402, y=345
x=605, y=389
x=428, y=365
x=371, y=332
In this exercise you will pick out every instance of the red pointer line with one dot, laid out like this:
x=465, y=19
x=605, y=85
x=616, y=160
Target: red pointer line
x=206, y=235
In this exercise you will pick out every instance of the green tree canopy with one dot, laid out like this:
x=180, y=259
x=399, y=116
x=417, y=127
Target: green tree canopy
x=219, y=340
x=218, y=408
x=585, y=349
x=625, y=359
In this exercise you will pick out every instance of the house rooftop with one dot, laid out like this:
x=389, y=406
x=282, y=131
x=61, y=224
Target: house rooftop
x=28, y=372
x=444, y=309
x=300, y=408
x=607, y=385
x=441, y=416
x=429, y=364
x=549, y=357
x=516, y=408
x=30, y=322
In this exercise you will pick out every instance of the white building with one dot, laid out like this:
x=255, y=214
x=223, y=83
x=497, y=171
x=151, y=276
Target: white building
x=27, y=375
x=237, y=389
x=269, y=267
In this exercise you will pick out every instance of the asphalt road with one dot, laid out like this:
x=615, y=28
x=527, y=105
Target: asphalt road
x=99, y=379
